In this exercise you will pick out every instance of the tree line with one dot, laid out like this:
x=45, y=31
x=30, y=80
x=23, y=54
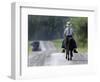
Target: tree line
x=52, y=27
x=80, y=24
x=45, y=27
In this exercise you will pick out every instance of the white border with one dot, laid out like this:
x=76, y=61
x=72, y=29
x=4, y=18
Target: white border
x=19, y=60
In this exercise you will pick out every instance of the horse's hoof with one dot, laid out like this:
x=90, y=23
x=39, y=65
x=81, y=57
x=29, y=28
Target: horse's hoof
x=66, y=58
x=70, y=58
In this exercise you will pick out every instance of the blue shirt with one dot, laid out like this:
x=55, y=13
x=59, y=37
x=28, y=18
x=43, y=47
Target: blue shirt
x=68, y=31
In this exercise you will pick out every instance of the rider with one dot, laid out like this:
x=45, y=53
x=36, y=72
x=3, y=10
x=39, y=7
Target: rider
x=68, y=32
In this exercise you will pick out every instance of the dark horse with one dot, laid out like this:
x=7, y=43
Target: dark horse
x=69, y=47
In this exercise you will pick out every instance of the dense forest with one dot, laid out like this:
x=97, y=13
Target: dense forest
x=46, y=27
x=80, y=25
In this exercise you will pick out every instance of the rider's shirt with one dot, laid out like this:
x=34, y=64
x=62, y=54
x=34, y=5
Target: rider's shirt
x=68, y=31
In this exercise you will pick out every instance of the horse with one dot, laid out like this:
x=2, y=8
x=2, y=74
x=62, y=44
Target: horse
x=69, y=47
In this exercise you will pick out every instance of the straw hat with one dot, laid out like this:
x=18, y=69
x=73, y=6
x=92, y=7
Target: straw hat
x=68, y=24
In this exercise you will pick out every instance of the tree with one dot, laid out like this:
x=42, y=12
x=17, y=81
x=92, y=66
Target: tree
x=80, y=24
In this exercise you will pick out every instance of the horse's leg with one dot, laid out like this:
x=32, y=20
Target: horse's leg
x=71, y=54
x=66, y=54
x=67, y=49
x=66, y=42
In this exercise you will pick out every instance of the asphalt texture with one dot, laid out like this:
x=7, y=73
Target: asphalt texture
x=49, y=56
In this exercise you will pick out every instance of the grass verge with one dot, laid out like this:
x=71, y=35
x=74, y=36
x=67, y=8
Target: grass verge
x=81, y=48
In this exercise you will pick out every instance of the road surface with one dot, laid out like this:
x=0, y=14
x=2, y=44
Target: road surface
x=49, y=56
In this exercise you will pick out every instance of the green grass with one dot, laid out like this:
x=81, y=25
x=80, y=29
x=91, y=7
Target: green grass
x=81, y=47
x=29, y=47
x=58, y=43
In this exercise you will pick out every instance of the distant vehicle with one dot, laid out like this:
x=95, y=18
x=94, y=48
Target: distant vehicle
x=36, y=46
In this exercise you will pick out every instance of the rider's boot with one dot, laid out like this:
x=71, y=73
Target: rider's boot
x=66, y=57
x=71, y=58
x=75, y=51
x=63, y=50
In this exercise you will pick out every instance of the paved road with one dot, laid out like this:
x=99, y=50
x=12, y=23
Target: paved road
x=59, y=59
x=49, y=56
